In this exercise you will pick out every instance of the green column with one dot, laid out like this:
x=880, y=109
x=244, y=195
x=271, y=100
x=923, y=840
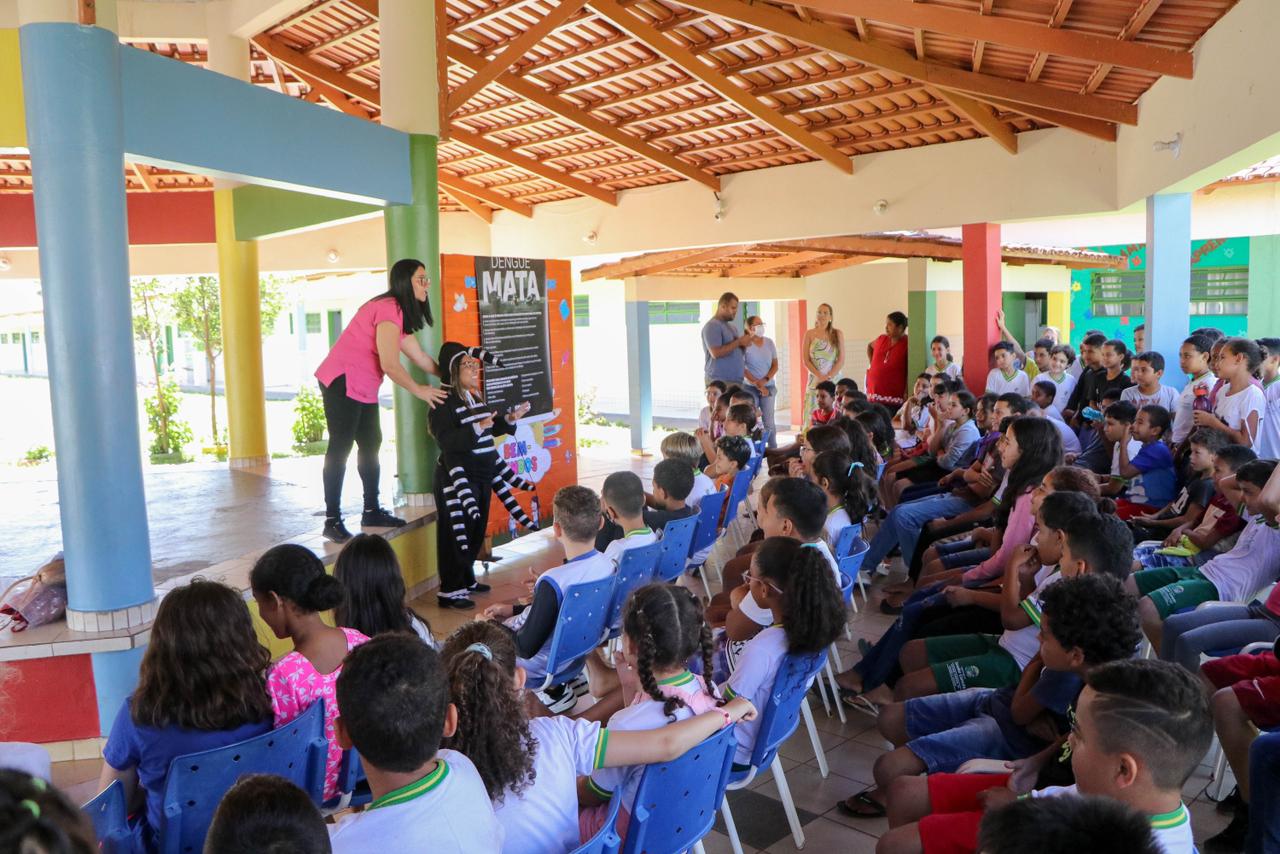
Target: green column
x=413, y=231
x=922, y=313
x=1264, y=285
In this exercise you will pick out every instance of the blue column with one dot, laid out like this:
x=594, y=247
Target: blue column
x=639, y=382
x=71, y=80
x=1168, y=304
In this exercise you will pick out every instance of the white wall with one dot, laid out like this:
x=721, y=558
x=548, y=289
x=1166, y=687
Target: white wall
x=859, y=297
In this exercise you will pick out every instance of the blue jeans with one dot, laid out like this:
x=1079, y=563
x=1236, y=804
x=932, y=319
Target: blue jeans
x=1210, y=629
x=903, y=525
x=768, y=409
x=1264, y=782
x=947, y=730
x=880, y=661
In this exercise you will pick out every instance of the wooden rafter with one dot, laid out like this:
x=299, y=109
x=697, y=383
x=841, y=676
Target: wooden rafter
x=453, y=182
x=984, y=118
x=980, y=46
x=529, y=91
x=144, y=177
x=703, y=256
x=899, y=61
x=1020, y=34
x=1059, y=14
x=508, y=56
x=1132, y=27
x=528, y=164
x=303, y=64
x=471, y=203
x=838, y=264
x=332, y=96
x=692, y=65
x=1105, y=131
x=791, y=259
x=628, y=267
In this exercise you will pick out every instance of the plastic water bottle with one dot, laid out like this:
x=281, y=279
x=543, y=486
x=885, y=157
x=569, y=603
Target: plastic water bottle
x=1201, y=401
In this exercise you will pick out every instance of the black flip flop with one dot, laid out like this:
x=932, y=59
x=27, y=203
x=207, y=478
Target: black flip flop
x=870, y=807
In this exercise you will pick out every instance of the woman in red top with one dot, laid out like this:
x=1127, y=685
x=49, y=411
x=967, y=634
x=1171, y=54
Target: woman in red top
x=350, y=375
x=887, y=373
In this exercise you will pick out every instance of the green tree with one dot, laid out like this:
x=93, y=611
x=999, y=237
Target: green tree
x=149, y=299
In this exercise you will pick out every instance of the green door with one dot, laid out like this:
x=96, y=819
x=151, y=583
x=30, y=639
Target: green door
x=335, y=326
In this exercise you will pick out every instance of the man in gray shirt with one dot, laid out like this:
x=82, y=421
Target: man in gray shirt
x=722, y=343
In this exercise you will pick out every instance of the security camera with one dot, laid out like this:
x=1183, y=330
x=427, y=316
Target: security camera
x=880, y=207
x=590, y=238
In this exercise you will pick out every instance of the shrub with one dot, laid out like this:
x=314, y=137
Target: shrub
x=170, y=434
x=38, y=454
x=310, y=424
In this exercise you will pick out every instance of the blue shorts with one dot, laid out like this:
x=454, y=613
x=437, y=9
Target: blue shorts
x=947, y=730
x=1149, y=559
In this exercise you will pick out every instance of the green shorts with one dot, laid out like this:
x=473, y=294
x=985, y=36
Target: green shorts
x=1174, y=588
x=970, y=661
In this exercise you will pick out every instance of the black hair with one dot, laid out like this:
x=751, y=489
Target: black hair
x=1213, y=333
x=1236, y=456
x=1006, y=346
x=1122, y=411
x=1047, y=387
x=1248, y=348
x=393, y=694
x=36, y=817
x=813, y=610
x=849, y=481
x=736, y=448
x=860, y=449
x=1154, y=709
x=1058, y=509
x=1093, y=613
x=1018, y=405
x=370, y=575
x=828, y=386
x=897, y=318
x=924, y=376
x=803, y=503
x=744, y=414
x=727, y=297
x=988, y=400
x=967, y=402
x=400, y=288
x=1113, y=394
x=717, y=384
x=1104, y=543
x=942, y=339
x=1212, y=440
x=741, y=397
x=846, y=383
x=268, y=814
x=1066, y=350
x=1202, y=343
x=623, y=491
x=294, y=572
x=1256, y=472
x=881, y=431
x=827, y=437
x=1270, y=347
x=1066, y=825
x=1152, y=358
x=666, y=625
x=1157, y=416
x=577, y=512
x=675, y=478
x=1043, y=344
x=1093, y=339
x=858, y=396
x=1039, y=450
x=1122, y=348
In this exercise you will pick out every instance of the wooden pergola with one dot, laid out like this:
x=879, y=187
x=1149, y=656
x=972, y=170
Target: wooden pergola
x=549, y=100
x=800, y=258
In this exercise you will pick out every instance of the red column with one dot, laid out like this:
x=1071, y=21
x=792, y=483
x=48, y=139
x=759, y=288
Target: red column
x=798, y=377
x=981, y=300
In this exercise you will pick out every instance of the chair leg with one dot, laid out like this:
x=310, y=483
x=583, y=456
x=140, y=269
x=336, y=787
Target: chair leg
x=822, y=693
x=834, y=653
x=1221, y=774
x=835, y=692
x=784, y=792
x=730, y=829
x=698, y=849
x=702, y=573
x=819, y=752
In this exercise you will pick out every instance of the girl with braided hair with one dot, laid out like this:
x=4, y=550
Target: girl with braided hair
x=530, y=768
x=468, y=471
x=36, y=818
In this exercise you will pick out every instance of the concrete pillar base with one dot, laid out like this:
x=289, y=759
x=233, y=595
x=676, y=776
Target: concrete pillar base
x=420, y=499
x=108, y=621
x=250, y=462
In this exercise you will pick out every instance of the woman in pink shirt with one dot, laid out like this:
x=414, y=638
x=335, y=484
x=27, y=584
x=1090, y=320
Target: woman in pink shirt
x=350, y=375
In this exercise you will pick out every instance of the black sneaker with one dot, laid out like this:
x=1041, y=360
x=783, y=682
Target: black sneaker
x=379, y=518
x=1229, y=804
x=558, y=699
x=1231, y=840
x=335, y=531
x=479, y=587
x=458, y=603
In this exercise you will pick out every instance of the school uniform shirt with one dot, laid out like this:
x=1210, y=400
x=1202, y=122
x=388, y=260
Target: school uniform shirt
x=1158, y=483
x=1183, y=411
x=763, y=616
x=951, y=371
x=1166, y=396
x=702, y=487
x=1064, y=386
x=961, y=438
x=446, y=812
x=1247, y=568
x=1172, y=830
x=630, y=540
x=1056, y=690
x=1268, y=442
x=543, y=819
x=752, y=678
x=1070, y=441
x=1235, y=409
x=534, y=635
x=837, y=520
x=999, y=383
x=1024, y=643
x=1134, y=448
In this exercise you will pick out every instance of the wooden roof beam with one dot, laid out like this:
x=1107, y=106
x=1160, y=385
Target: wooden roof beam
x=528, y=90
x=1132, y=27
x=143, y=177
x=692, y=65
x=301, y=64
x=1019, y=34
x=983, y=118
x=901, y=62
x=513, y=52
x=1056, y=17
x=1105, y=131
x=636, y=265
x=471, y=203
x=701, y=257
x=533, y=167
x=766, y=265
x=453, y=182
x=838, y=264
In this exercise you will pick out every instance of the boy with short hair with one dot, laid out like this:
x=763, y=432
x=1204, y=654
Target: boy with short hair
x=1189, y=505
x=733, y=454
x=1006, y=376
x=622, y=497
x=672, y=483
x=1091, y=373
x=683, y=447
x=1061, y=360
x=1147, y=370
x=1041, y=352
x=1065, y=826
x=394, y=696
x=824, y=397
x=1148, y=480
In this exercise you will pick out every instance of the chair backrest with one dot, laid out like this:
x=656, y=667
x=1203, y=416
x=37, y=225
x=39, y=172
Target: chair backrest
x=197, y=781
x=846, y=588
x=851, y=562
x=676, y=802
x=708, y=521
x=782, y=711
x=844, y=542
x=606, y=840
x=579, y=629
x=111, y=820
x=737, y=492
x=677, y=537
x=636, y=568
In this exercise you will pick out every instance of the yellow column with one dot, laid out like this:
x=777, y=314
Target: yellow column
x=241, y=338
x=13, y=119
x=1058, y=313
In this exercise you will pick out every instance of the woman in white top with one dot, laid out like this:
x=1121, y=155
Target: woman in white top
x=1240, y=406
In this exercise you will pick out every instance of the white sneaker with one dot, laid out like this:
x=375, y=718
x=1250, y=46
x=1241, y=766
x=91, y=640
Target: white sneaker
x=885, y=567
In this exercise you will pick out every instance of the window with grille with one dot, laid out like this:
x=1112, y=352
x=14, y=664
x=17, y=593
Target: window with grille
x=35, y=337
x=673, y=312
x=1214, y=291
x=582, y=310
x=313, y=323
x=4, y=338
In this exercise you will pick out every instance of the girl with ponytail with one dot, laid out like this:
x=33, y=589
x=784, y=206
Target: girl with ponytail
x=291, y=588
x=850, y=491
x=36, y=818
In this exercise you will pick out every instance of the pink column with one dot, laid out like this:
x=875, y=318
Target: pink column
x=981, y=300
x=799, y=377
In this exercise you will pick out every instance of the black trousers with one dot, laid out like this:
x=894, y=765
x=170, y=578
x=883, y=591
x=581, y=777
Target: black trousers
x=456, y=563
x=350, y=422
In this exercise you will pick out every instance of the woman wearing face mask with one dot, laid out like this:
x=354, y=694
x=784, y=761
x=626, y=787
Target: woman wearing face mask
x=761, y=363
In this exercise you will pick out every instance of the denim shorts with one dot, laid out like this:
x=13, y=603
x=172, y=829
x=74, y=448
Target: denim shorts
x=1149, y=557
x=947, y=730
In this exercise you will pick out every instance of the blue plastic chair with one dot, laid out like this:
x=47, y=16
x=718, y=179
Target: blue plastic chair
x=677, y=537
x=606, y=840
x=580, y=628
x=675, y=803
x=353, y=785
x=737, y=492
x=636, y=568
x=197, y=781
x=780, y=718
x=704, y=535
x=110, y=820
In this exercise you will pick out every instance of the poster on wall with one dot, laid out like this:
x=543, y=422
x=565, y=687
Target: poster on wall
x=512, y=295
